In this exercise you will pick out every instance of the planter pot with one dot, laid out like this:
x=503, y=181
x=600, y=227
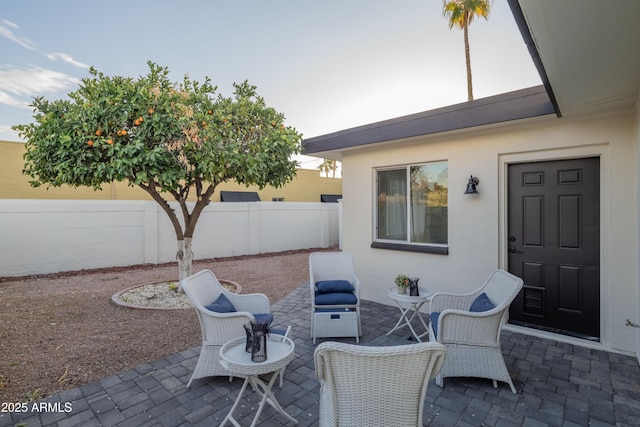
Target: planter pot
x=402, y=290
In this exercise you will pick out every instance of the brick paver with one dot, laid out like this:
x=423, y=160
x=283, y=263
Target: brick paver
x=558, y=384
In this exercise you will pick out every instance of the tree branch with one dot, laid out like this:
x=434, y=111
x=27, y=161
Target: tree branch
x=198, y=208
x=182, y=201
x=151, y=189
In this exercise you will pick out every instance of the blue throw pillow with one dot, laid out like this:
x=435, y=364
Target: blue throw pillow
x=481, y=303
x=434, y=322
x=329, y=286
x=336, y=298
x=221, y=305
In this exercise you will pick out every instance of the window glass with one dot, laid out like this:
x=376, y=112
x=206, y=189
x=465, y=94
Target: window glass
x=412, y=204
x=429, y=201
x=392, y=204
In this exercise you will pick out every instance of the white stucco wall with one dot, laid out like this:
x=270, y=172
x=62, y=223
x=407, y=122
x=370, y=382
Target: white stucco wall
x=477, y=223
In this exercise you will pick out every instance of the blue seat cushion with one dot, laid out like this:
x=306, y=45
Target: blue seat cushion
x=221, y=305
x=331, y=286
x=263, y=318
x=482, y=303
x=336, y=298
x=434, y=322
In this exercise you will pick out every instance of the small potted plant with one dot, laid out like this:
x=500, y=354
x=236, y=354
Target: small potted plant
x=402, y=282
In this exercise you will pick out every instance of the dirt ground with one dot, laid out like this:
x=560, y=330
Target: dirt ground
x=59, y=331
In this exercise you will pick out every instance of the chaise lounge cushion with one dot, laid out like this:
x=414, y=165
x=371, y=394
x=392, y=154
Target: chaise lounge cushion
x=331, y=286
x=336, y=298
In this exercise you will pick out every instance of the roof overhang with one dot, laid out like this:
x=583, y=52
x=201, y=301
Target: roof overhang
x=586, y=51
x=521, y=104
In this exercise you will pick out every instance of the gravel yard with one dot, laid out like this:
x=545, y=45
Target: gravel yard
x=59, y=331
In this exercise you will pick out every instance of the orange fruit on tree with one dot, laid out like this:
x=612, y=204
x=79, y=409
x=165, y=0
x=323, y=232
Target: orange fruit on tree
x=99, y=132
x=110, y=141
x=90, y=143
x=136, y=122
x=150, y=110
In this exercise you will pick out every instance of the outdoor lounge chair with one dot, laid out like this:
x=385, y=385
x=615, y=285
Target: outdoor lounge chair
x=375, y=386
x=469, y=326
x=222, y=325
x=335, y=296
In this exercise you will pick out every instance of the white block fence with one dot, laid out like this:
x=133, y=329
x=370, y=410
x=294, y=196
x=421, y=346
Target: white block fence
x=46, y=236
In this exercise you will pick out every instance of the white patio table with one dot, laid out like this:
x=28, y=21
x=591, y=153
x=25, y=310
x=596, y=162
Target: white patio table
x=233, y=357
x=407, y=303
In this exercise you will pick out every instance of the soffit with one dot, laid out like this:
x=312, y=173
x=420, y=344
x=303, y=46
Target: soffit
x=590, y=51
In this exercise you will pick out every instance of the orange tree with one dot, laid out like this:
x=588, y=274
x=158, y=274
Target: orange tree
x=173, y=140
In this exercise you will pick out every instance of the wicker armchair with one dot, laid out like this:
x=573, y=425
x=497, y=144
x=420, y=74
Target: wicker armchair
x=202, y=289
x=375, y=386
x=334, y=312
x=472, y=338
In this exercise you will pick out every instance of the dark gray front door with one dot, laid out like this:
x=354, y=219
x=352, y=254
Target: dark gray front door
x=554, y=245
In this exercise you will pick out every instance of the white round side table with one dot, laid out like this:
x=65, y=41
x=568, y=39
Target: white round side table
x=406, y=304
x=233, y=357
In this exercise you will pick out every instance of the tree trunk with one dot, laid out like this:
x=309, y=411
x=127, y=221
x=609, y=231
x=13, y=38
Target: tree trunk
x=467, y=57
x=184, y=257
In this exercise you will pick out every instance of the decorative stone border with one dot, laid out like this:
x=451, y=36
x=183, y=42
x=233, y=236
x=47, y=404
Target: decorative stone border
x=117, y=297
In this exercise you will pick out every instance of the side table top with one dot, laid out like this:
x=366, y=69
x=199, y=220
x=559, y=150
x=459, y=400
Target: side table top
x=280, y=351
x=425, y=295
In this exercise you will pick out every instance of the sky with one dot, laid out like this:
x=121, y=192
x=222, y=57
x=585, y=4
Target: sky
x=327, y=65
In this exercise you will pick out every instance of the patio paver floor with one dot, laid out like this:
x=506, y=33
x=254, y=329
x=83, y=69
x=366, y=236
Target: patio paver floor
x=558, y=384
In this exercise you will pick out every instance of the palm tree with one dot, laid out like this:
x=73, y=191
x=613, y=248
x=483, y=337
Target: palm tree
x=461, y=13
x=328, y=166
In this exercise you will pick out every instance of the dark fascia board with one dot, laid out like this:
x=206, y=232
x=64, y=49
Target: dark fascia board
x=525, y=32
x=516, y=105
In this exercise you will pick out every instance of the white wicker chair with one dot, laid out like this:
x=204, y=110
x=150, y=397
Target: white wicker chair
x=202, y=289
x=472, y=339
x=375, y=386
x=335, y=320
